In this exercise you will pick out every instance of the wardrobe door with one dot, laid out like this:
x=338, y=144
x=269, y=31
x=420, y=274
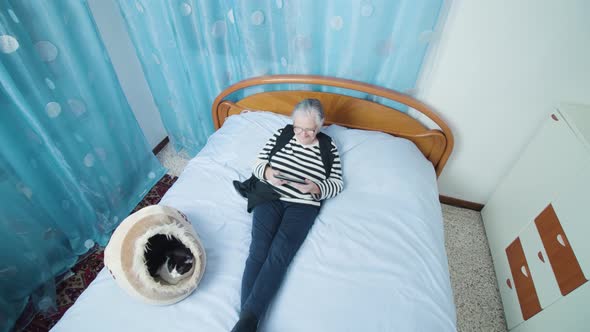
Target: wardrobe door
x=564, y=263
x=552, y=154
x=571, y=207
x=523, y=280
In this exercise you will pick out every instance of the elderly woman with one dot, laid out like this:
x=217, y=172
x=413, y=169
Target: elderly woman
x=287, y=210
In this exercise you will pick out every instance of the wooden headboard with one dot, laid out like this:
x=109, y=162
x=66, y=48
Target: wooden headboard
x=347, y=111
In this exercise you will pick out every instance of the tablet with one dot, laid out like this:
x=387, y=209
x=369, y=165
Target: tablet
x=289, y=178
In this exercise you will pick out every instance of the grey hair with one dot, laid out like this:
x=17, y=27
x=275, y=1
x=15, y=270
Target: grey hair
x=310, y=107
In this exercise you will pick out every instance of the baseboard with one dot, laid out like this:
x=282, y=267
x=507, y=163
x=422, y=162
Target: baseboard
x=460, y=203
x=161, y=145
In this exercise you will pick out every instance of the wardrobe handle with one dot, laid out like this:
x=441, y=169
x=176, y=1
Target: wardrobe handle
x=540, y=254
x=524, y=271
x=560, y=240
x=508, y=283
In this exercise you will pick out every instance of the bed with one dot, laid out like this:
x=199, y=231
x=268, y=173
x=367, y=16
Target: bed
x=375, y=258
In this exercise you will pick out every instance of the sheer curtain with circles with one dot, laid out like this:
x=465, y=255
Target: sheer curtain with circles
x=73, y=160
x=191, y=50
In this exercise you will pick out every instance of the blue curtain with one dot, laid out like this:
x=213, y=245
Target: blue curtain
x=73, y=160
x=192, y=49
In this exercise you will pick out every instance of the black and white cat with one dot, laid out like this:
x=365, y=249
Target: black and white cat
x=176, y=266
x=168, y=259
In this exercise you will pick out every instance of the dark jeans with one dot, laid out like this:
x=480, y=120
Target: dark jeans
x=278, y=230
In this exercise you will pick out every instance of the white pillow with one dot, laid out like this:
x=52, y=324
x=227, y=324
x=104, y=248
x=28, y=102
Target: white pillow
x=237, y=143
x=346, y=139
x=376, y=162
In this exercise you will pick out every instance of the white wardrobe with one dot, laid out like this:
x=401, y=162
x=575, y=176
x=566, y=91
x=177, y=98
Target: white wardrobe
x=538, y=227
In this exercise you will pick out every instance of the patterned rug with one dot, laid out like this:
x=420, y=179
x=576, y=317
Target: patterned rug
x=84, y=272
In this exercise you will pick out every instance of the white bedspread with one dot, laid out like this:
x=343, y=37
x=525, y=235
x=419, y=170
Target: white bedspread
x=374, y=260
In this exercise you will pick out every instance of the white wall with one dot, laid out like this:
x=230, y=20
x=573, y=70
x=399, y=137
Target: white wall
x=116, y=39
x=500, y=66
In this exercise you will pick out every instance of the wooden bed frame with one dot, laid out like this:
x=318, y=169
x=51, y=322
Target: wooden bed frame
x=436, y=145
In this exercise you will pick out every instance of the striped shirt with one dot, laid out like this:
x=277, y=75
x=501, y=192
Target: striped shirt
x=301, y=161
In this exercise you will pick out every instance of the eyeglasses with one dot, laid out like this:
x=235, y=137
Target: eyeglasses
x=299, y=130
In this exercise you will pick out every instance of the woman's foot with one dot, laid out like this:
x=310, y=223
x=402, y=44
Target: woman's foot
x=247, y=323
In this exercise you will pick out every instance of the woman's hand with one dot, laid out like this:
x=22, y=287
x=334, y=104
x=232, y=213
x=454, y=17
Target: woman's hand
x=269, y=175
x=309, y=187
